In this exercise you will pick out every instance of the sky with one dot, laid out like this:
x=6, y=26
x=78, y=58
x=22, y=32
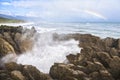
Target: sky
x=64, y=10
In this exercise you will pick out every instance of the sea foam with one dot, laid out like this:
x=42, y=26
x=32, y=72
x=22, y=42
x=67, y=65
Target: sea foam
x=48, y=51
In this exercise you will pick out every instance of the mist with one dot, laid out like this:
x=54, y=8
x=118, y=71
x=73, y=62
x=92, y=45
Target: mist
x=45, y=52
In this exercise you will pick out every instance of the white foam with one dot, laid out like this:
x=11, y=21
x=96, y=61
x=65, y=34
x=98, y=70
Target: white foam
x=48, y=51
x=17, y=24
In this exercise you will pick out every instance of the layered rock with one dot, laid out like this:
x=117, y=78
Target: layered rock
x=13, y=71
x=15, y=39
x=99, y=59
x=5, y=48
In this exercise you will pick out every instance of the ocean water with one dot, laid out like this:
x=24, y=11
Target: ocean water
x=102, y=30
x=47, y=51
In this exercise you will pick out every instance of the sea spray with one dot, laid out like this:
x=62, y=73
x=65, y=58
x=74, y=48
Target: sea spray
x=46, y=51
x=8, y=58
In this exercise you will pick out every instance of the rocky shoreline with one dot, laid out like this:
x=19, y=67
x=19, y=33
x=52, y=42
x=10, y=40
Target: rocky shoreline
x=99, y=58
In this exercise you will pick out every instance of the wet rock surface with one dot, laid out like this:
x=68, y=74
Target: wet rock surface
x=15, y=41
x=99, y=58
x=14, y=71
x=18, y=40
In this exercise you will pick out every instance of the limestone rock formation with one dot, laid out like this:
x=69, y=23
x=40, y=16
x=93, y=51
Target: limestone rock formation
x=5, y=48
x=16, y=38
x=14, y=71
x=99, y=59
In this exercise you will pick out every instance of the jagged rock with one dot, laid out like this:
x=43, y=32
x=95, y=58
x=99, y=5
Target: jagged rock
x=94, y=67
x=101, y=75
x=72, y=58
x=118, y=43
x=113, y=52
x=24, y=72
x=17, y=75
x=69, y=78
x=7, y=36
x=80, y=68
x=108, y=41
x=4, y=28
x=104, y=58
x=99, y=60
x=5, y=48
x=105, y=75
x=33, y=73
x=20, y=40
x=64, y=72
x=10, y=38
x=13, y=66
x=95, y=76
x=17, y=40
x=5, y=75
x=115, y=67
x=59, y=71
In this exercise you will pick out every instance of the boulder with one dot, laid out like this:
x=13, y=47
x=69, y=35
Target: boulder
x=17, y=75
x=105, y=75
x=18, y=38
x=104, y=58
x=99, y=59
x=115, y=67
x=95, y=76
x=72, y=58
x=11, y=66
x=5, y=28
x=24, y=72
x=9, y=37
x=94, y=67
x=118, y=44
x=5, y=75
x=5, y=48
x=32, y=73
x=64, y=72
x=113, y=52
x=108, y=41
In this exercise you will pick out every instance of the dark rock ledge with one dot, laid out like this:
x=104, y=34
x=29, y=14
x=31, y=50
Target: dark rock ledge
x=99, y=58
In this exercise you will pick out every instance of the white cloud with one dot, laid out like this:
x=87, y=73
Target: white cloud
x=100, y=9
x=25, y=4
x=32, y=14
x=5, y=3
x=5, y=12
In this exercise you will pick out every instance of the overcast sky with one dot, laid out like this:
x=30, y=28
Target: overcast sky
x=64, y=10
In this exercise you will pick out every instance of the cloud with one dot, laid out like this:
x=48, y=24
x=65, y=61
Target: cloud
x=25, y=4
x=5, y=12
x=32, y=14
x=5, y=3
x=88, y=9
